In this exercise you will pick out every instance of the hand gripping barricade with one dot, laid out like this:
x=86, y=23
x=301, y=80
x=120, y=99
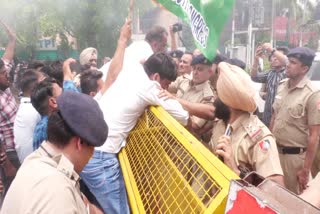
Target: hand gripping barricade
x=167, y=170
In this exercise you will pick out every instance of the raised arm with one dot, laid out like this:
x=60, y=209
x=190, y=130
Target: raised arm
x=9, y=52
x=67, y=74
x=278, y=54
x=255, y=65
x=173, y=38
x=117, y=60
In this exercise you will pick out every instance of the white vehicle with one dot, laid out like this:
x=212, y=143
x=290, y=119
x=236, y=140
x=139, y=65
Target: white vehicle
x=314, y=72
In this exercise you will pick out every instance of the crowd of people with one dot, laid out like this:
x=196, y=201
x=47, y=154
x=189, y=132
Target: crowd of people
x=62, y=132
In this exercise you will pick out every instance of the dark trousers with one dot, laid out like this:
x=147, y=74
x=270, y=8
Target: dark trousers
x=13, y=158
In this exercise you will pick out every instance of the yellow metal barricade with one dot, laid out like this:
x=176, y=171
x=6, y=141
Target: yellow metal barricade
x=167, y=170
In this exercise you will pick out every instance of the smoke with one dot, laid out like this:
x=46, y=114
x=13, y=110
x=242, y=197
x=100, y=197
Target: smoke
x=91, y=22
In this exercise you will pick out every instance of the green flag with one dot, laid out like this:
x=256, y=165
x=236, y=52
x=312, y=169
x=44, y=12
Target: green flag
x=206, y=19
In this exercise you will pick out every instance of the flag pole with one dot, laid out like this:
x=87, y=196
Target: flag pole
x=131, y=9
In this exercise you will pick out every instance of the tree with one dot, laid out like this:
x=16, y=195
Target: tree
x=300, y=11
x=93, y=23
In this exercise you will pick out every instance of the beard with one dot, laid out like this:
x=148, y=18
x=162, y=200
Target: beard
x=222, y=111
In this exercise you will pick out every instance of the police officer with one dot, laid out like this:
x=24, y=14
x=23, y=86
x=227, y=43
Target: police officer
x=296, y=120
x=176, y=56
x=251, y=146
x=184, y=71
x=198, y=90
x=48, y=180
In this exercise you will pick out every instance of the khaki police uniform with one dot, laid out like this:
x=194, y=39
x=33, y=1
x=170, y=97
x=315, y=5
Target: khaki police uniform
x=45, y=183
x=201, y=93
x=218, y=130
x=253, y=146
x=295, y=110
x=173, y=87
x=213, y=82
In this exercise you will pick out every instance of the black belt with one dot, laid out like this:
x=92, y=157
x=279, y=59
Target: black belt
x=291, y=150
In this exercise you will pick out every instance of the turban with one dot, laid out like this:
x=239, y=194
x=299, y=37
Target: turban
x=87, y=54
x=235, y=89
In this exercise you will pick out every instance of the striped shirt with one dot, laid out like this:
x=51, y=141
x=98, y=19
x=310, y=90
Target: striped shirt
x=271, y=79
x=8, y=110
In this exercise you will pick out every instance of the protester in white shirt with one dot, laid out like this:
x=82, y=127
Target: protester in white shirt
x=26, y=118
x=138, y=52
x=122, y=105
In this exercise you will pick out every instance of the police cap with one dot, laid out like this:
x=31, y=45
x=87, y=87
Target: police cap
x=84, y=117
x=200, y=59
x=303, y=54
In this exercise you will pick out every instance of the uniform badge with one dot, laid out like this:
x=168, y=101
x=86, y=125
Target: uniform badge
x=265, y=145
x=254, y=132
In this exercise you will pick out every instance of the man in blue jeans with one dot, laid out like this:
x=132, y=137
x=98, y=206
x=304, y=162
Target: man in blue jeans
x=136, y=88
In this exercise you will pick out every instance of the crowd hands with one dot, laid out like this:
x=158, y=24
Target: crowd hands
x=206, y=96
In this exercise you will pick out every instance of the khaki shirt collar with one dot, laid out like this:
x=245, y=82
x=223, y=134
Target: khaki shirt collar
x=238, y=122
x=198, y=87
x=301, y=84
x=64, y=165
x=187, y=76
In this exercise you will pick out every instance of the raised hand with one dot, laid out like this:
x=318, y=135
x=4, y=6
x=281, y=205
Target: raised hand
x=126, y=31
x=11, y=33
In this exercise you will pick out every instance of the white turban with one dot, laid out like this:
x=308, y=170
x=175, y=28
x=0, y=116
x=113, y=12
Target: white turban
x=87, y=54
x=235, y=89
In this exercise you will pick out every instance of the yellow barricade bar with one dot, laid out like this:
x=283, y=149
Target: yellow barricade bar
x=167, y=170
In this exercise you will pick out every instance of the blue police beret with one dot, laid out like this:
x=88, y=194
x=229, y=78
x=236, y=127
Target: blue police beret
x=200, y=59
x=219, y=58
x=84, y=117
x=303, y=54
x=176, y=54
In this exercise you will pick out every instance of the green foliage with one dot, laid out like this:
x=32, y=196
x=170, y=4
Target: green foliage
x=93, y=23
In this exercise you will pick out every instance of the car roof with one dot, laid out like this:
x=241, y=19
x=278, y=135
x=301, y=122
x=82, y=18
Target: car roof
x=314, y=72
